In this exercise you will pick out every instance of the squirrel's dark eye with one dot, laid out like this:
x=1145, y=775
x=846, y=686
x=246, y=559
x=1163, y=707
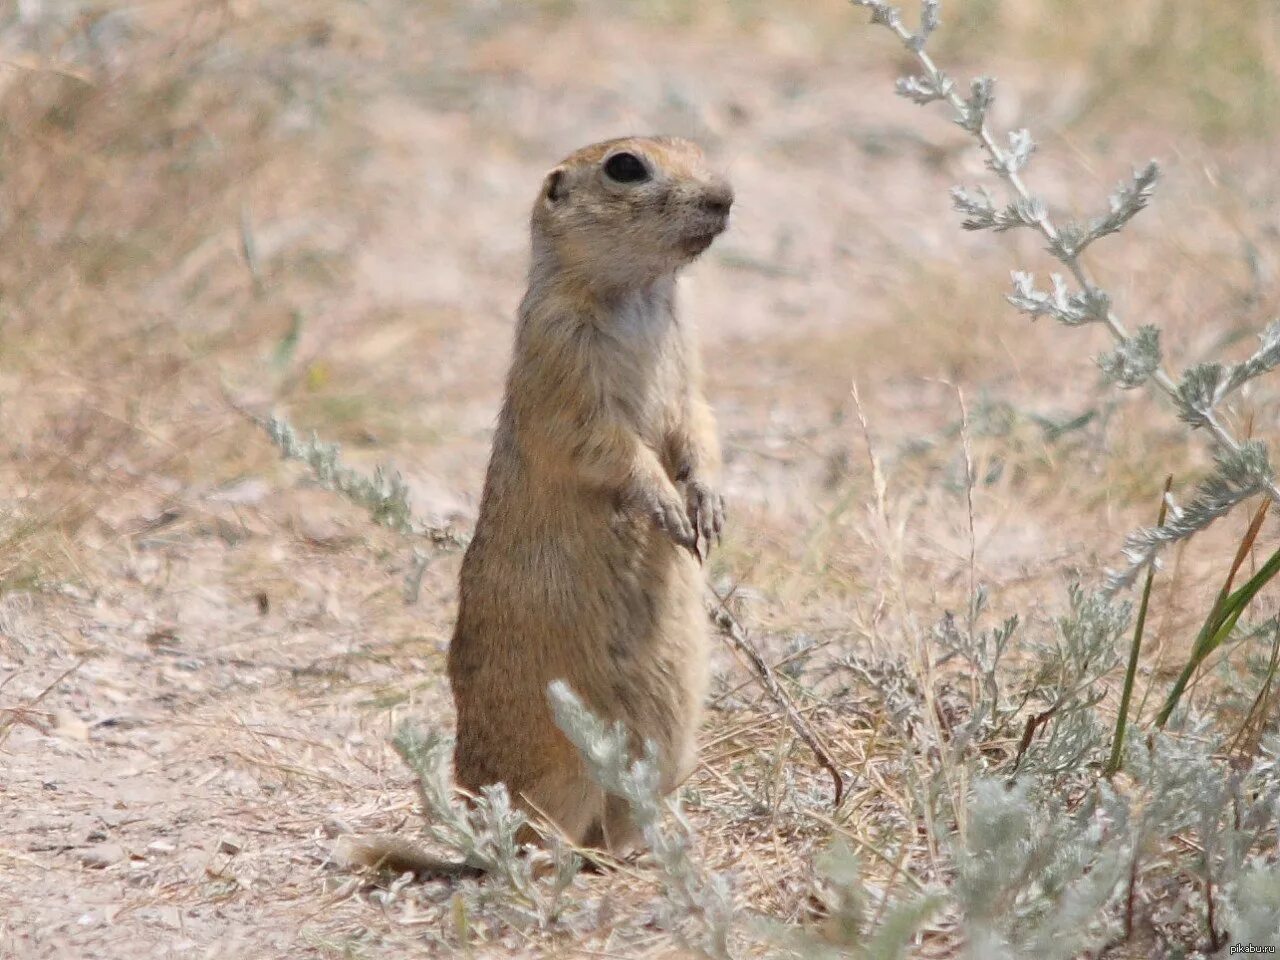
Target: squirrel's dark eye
x=626, y=168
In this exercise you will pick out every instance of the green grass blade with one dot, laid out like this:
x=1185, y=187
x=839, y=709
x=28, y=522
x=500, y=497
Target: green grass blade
x=1131, y=673
x=1217, y=628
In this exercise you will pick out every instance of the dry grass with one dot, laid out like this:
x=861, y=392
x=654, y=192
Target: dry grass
x=324, y=208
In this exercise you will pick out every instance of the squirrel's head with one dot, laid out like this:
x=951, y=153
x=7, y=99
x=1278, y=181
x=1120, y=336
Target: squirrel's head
x=631, y=210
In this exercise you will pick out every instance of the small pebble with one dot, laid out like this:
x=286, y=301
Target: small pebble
x=101, y=856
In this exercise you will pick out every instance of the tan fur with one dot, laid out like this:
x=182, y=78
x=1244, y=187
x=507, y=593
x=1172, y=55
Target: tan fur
x=395, y=856
x=584, y=565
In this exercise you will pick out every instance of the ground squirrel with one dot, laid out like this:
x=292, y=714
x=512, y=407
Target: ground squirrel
x=599, y=502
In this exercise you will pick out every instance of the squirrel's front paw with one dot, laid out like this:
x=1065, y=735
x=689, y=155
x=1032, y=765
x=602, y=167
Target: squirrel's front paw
x=670, y=517
x=705, y=509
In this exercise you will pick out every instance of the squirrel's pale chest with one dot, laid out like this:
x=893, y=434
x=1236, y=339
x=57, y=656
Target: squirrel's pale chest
x=649, y=364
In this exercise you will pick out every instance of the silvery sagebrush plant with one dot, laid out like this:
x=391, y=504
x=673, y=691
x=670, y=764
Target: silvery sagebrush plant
x=384, y=495
x=1038, y=876
x=1051, y=701
x=1030, y=874
x=983, y=653
x=1067, y=684
x=855, y=923
x=1047, y=870
x=484, y=834
x=697, y=905
x=1033, y=875
x=1242, y=468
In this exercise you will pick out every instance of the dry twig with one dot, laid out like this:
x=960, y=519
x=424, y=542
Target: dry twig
x=736, y=634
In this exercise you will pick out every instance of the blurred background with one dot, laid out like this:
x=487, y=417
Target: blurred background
x=319, y=208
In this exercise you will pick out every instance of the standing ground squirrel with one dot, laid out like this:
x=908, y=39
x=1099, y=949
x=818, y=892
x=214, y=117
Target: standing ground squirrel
x=598, y=505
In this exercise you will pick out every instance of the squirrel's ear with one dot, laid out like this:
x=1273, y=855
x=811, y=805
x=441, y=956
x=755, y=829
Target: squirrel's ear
x=553, y=188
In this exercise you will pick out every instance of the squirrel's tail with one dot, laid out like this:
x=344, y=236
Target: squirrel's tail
x=392, y=855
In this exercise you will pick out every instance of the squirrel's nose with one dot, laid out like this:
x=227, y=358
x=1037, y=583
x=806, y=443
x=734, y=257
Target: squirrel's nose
x=717, y=199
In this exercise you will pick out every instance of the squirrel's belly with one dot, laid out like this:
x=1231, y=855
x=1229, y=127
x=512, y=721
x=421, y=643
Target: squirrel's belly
x=601, y=599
